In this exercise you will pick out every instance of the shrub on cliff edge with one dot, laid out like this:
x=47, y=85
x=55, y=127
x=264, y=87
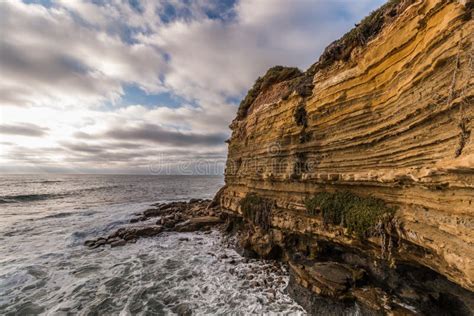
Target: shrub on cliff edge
x=365, y=30
x=272, y=76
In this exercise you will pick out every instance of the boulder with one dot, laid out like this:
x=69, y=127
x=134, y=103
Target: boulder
x=183, y=309
x=154, y=212
x=90, y=242
x=118, y=243
x=330, y=279
x=334, y=276
x=148, y=231
x=99, y=242
x=197, y=223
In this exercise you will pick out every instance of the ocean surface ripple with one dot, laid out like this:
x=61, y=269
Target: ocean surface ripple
x=45, y=269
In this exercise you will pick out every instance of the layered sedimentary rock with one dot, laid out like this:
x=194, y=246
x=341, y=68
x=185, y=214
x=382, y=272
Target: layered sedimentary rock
x=387, y=113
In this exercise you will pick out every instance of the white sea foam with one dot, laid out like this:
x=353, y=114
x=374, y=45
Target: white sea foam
x=45, y=269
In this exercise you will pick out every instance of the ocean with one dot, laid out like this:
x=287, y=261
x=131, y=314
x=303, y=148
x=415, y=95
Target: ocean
x=46, y=270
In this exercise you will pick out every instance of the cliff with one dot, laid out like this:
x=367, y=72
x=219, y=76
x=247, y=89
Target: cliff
x=368, y=152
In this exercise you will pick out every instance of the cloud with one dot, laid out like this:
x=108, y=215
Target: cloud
x=23, y=129
x=64, y=61
x=157, y=134
x=84, y=148
x=70, y=65
x=210, y=58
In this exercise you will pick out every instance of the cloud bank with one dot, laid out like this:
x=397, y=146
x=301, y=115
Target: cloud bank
x=75, y=75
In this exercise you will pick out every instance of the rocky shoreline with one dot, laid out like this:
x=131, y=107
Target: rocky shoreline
x=325, y=278
x=195, y=215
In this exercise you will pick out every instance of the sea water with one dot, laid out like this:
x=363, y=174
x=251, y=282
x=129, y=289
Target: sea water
x=45, y=268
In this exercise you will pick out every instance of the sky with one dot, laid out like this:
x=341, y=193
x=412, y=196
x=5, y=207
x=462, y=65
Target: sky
x=144, y=86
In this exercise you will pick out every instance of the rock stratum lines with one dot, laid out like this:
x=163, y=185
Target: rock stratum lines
x=389, y=117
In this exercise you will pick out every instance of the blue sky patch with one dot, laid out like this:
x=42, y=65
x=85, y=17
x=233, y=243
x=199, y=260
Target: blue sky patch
x=44, y=3
x=215, y=10
x=134, y=95
x=235, y=100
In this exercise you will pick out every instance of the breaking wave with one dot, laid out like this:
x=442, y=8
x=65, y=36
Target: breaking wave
x=28, y=198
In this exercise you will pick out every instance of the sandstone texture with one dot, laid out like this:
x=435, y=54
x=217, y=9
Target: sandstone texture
x=387, y=113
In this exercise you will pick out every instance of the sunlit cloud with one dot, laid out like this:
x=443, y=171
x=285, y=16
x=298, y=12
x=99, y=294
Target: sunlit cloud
x=109, y=86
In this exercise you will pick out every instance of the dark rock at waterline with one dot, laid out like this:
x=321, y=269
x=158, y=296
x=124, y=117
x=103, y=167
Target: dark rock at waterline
x=154, y=212
x=197, y=223
x=123, y=235
x=315, y=304
x=118, y=242
x=175, y=216
x=96, y=242
x=169, y=223
x=183, y=309
x=334, y=276
x=89, y=243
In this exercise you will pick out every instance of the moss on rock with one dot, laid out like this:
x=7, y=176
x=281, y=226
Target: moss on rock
x=257, y=209
x=360, y=215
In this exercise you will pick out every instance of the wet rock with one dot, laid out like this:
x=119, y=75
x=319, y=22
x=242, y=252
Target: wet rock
x=118, y=243
x=183, y=309
x=197, y=223
x=135, y=220
x=89, y=243
x=332, y=275
x=329, y=279
x=94, y=243
x=99, y=242
x=149, y=231
x=272, y=292
x=169, y=223
x=154, y=212
x=129, y=235
x=118, y=233
x=370, y=298
x=172, y=216
x=316, y=304
x=375, y=301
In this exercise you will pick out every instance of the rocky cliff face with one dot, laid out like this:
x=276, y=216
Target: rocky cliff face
x=382, y=121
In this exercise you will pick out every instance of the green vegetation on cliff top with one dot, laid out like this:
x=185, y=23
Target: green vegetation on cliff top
x=274, y=75
x=339, y=50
